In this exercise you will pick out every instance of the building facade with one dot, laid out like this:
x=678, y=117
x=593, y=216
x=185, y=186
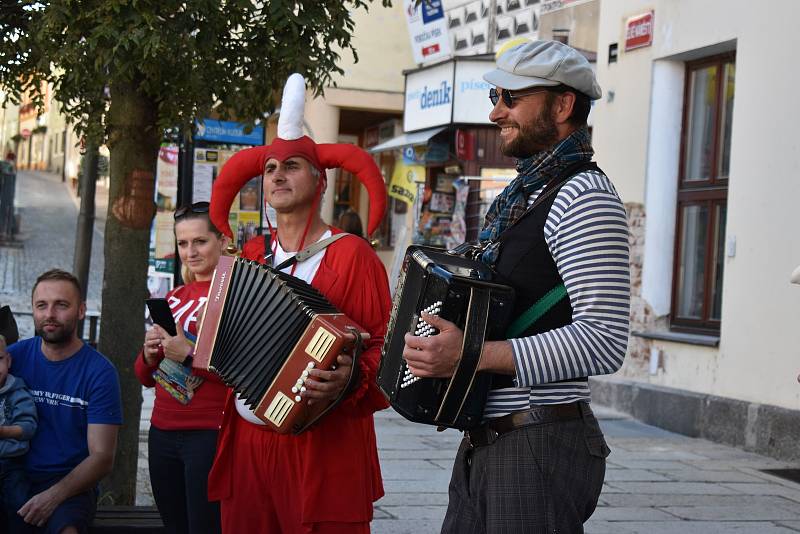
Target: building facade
x=707, y=169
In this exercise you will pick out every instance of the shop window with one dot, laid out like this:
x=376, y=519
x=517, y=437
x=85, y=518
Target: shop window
x=703, y=194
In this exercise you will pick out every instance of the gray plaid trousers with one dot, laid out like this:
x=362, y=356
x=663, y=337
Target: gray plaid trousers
x=540, y=479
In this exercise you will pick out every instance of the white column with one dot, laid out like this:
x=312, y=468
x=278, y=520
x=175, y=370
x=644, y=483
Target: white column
x=661, y=184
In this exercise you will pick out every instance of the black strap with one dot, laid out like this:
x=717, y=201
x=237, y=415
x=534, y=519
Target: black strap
x=268, y=248
x=301, y=255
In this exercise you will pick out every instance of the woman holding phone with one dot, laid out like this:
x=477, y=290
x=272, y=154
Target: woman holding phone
x=188, y=407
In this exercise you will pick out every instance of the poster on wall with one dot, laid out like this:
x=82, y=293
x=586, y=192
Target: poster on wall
x=404, y=181
x=162, y=238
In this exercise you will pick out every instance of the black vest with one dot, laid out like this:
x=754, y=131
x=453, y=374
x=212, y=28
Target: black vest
x=524, y=262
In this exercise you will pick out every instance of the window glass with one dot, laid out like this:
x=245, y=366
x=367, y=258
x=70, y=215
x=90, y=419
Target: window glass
x=700, y=125
x=728, y=80
x=691, y=269
x=718, y=262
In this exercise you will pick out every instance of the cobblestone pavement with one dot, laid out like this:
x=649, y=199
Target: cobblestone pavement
x=657, y=482
x=48, y=213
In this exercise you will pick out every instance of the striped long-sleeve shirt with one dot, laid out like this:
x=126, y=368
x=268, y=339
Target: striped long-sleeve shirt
x=587, y=234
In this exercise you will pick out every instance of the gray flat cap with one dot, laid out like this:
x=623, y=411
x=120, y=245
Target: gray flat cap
x=543, y=63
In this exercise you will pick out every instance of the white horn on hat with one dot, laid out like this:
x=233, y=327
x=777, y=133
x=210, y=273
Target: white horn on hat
x=290, y=121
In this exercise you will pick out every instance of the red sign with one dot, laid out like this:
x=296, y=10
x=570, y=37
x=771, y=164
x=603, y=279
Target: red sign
x=639, y=31
x=428, y=50
x=465, y=145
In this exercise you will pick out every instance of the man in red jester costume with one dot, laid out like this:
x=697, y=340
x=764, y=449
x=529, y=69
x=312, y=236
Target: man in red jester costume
x=325, y=479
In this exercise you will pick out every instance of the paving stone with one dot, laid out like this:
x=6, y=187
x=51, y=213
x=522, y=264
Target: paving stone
x=728, y=513
x=410, y=526
x=699, y=475
x=414, y=499
x=621, y=462
x=631, y=513
x=405, y=513
x=686, y=488
x=700, y=527
x=665, y=500
x=634, y=475
x=792, y=493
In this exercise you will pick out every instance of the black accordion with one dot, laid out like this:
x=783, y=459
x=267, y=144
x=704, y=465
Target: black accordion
x=263, y=331
x=463, y=292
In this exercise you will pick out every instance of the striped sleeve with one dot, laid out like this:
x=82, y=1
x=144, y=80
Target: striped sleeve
x=587, y=234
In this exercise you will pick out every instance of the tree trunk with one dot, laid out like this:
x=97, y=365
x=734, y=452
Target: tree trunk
x=133, y=141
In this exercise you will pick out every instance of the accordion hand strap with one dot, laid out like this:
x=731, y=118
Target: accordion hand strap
x=309, y=251
x=352, y=380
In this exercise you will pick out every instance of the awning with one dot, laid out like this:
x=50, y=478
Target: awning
x=410, y=139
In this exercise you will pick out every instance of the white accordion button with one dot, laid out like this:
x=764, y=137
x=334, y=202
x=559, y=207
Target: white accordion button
x=305, y=374
x=310, y=365
x=294, y=389
x=303, y=388
x=298, y=398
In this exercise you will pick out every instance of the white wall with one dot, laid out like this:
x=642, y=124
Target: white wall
x=759, y=354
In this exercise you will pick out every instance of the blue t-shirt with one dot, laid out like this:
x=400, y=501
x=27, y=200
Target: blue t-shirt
x=69, y=395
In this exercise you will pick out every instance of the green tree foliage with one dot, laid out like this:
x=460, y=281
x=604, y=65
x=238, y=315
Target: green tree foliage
x=124, y=71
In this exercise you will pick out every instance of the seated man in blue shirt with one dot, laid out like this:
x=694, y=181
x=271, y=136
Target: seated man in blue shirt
x=77, y=394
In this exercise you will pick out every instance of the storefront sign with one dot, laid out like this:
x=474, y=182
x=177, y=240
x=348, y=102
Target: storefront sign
x=427, y=27
x=429, y=98
x=472, y=105
x=228, y=132
x=639, y=31
x=452, y=92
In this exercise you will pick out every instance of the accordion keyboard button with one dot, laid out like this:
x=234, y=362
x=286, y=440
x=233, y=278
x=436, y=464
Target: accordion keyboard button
x=298, y=398
x=310, y=365
x=295, y=390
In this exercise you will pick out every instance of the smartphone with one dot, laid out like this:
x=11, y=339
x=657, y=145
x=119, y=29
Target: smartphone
x=162, y=315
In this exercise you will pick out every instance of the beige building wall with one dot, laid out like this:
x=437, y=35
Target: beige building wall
x=636, y=136
x=580, y=23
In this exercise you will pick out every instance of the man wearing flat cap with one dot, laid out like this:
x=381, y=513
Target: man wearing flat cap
x=558, y=234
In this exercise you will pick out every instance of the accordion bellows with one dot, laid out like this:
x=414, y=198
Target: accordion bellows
x=262, y=332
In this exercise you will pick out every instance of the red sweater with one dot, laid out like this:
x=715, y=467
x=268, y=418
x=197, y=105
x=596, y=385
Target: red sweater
x=204, y=411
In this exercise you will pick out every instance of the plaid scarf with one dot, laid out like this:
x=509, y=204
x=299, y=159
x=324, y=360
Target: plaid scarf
x=532, y=173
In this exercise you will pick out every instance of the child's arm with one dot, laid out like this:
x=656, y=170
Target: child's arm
x=24, y=419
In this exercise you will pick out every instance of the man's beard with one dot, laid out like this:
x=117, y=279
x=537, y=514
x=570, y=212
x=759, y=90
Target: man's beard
x=534, y=137
x=61, y=336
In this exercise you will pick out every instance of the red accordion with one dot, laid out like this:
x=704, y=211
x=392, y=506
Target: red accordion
x=263, y=331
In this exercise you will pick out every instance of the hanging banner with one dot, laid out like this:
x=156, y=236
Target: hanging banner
x=427, y=27
x=404, y=181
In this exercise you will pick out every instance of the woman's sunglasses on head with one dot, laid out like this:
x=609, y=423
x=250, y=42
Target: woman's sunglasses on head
x=197, y=207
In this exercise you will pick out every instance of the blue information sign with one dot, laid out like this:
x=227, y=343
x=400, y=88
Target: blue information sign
x=228, y=132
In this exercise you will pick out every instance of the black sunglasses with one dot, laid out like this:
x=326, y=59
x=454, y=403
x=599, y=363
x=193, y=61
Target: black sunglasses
x=197, y=207
x=508, y=97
